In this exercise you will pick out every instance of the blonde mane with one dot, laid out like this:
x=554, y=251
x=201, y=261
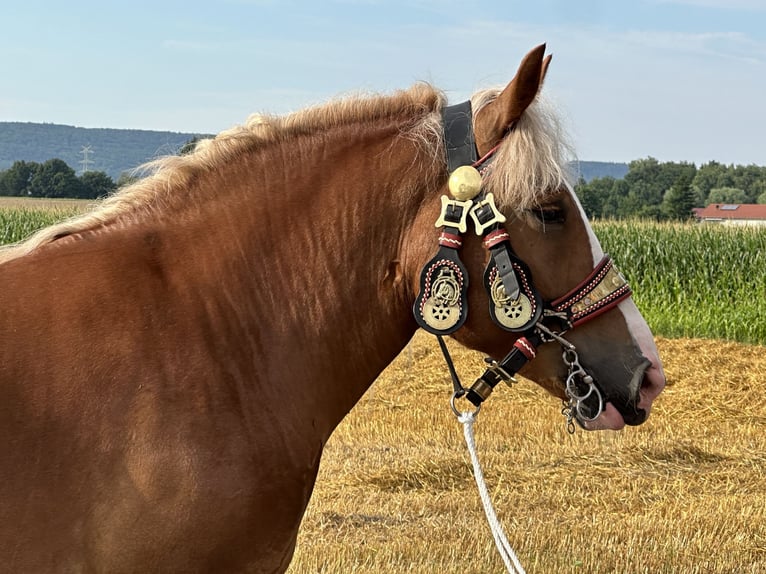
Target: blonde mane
x=531, y=162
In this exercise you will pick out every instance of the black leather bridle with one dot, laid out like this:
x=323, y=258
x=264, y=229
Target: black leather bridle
x=515, y=304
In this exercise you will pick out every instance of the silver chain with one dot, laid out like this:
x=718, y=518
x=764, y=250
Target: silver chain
x=579, y=387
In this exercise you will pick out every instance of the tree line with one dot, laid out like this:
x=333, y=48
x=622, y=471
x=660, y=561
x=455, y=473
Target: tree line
x=54, y=178
x=651, y=189
x=670, y=190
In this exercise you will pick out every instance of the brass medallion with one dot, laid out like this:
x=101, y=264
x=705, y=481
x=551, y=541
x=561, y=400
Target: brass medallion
x=442, y=308
x=510, y=313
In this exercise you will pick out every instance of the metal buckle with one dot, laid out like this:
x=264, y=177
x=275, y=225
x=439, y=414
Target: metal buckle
x=485, y=214
x=495, y=368
x=457, y=216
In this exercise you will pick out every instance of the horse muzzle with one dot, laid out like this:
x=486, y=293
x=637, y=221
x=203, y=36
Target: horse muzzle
x=648, y=381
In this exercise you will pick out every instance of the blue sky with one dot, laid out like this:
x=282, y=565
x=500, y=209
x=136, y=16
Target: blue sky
x=679, y=80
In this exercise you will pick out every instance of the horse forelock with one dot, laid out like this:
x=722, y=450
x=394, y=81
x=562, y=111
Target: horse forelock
x=534, y=161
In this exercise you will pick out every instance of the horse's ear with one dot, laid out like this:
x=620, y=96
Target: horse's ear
x=493, y=120
x=546, y=63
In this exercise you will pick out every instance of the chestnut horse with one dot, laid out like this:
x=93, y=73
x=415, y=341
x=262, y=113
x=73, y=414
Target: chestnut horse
x=172, y=363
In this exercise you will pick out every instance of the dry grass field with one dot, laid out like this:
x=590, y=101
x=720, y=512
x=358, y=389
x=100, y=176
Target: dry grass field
x=684, y=493
x=43, y=203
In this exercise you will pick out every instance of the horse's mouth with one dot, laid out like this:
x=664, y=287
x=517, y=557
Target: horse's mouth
x=609, y=419
x=616, y=416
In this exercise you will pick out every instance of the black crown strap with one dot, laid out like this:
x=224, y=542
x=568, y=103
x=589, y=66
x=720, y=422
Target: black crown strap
x=458, y=136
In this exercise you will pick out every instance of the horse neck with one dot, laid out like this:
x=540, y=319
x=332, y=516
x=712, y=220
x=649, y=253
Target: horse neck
x=307, y=239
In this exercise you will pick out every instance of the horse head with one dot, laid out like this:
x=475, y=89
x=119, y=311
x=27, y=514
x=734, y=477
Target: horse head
x=534, y=275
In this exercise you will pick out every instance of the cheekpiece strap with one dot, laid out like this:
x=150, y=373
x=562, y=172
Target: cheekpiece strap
x=603, y=289
x=441, y=306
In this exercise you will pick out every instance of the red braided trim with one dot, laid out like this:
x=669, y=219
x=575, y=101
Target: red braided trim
x=450, y=240
x=527, y=349
x=495, y=238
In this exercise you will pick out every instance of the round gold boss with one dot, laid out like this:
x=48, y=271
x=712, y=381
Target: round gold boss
x=465, y=183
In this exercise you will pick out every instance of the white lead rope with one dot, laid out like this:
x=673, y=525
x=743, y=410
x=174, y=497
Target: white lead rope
x=511, y=561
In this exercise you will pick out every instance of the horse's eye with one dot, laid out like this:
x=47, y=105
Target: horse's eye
x=548, y=214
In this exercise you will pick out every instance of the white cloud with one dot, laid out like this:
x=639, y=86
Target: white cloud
x=734, y=45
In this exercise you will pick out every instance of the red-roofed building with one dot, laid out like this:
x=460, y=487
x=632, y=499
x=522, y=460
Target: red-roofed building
x=733, y=214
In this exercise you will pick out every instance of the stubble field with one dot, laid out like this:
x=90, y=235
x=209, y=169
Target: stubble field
x=684, y=493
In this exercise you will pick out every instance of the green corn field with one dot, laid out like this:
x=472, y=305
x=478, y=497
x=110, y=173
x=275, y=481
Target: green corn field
x=692, y=280
x=18, y=223
x=689, y=280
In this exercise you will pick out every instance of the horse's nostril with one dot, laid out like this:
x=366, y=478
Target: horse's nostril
x=636, y=408
x=651, y=386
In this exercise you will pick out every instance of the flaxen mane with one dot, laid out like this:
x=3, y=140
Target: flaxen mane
x=528, y=164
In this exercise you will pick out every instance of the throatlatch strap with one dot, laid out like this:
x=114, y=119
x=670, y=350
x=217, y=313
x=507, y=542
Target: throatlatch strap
x=458, y=136
x=457, y=387
x=523, y=351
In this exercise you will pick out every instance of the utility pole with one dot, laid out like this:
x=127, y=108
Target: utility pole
x=86, y=161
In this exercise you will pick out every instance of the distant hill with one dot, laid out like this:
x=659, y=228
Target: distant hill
x=117, y=151
x=112, y=151
x=592, y=169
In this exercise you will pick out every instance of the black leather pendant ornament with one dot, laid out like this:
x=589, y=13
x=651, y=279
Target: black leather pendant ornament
x=521, y=309
x=440, y=307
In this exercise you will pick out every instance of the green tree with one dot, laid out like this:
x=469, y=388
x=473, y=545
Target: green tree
x=707, y=178
x=54, y=178
x=726, y=195
x=679, y=200
x=95, y=184
x=15, y=180
x=648, y=181
x=762, y=198
x=646, y=184
x=592, y=195
x=613, y=203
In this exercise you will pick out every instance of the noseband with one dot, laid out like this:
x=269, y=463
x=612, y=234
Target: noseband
x=515, y=305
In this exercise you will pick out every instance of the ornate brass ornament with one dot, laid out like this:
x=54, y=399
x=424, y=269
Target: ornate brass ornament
x=465, y=183
x=510, y=313
x=442, y=309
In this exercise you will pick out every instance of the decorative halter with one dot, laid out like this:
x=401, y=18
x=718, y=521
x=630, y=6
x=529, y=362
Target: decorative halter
x=515, y=304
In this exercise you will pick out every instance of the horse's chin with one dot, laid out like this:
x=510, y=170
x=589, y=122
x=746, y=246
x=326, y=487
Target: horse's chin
x=609, y=419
